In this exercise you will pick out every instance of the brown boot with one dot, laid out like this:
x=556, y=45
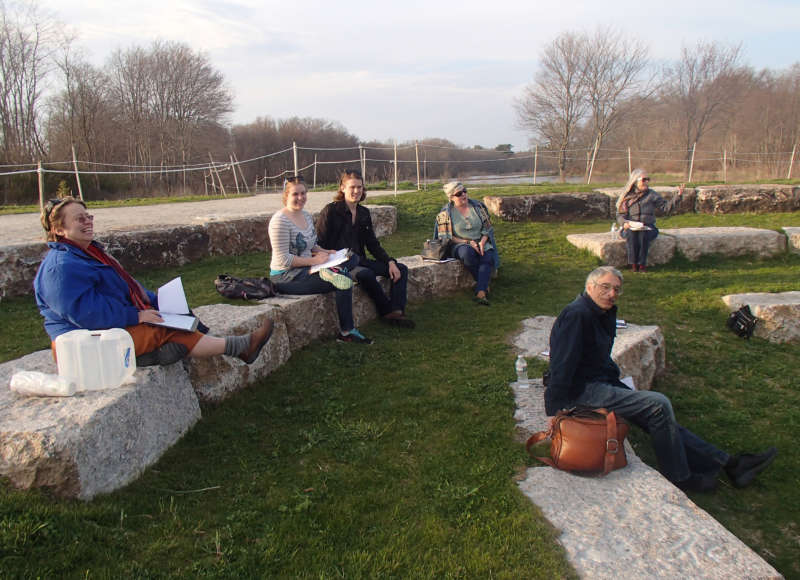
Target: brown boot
x=398, y=318
x=258, y=338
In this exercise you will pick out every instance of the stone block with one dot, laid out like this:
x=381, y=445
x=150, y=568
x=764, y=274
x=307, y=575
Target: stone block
x=96, y=441
x=793, y=238
x=638, y=350
x=232, y=237
x=686, y=204
x=18, y=266
x=613, y=250
x=556, y=207
x=778, y=313
x=725, y=199
x=727, y=241
x=632, y=523
x=216, y=378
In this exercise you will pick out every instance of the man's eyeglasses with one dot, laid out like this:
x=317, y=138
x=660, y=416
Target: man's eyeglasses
x=607, y=288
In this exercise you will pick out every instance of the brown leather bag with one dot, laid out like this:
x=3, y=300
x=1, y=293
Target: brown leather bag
x=584, y=440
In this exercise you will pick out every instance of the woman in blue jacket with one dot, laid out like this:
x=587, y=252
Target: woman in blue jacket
x=79, y=285
x=466, y=223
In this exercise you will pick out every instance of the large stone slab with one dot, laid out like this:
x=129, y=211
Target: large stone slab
x=727, y=241
x=632, y=523
x=686, y=205
x=638, y=350
x=778, y=313
x=793, y=238
x=612, y=249
x=94, y=442
x=725, y=199
x=556, y=207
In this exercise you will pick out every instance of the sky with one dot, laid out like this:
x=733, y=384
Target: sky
x=412, y=70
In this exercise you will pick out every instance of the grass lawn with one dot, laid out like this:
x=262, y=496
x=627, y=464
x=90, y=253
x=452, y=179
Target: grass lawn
x=399, y=459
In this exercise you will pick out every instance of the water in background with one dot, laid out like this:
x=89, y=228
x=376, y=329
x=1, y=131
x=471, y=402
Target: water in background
x=519, y=178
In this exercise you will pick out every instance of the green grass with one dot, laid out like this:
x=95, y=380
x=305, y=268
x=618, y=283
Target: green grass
x=399, y=459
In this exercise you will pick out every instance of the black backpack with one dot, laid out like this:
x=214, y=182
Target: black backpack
x=742, y=322
x=246, y=288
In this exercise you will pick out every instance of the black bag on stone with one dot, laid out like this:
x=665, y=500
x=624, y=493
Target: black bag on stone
x=742, y=322
x=436, y=249
x=246, y=288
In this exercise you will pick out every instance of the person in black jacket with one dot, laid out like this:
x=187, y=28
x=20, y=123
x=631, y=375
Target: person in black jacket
x=345, y=223
x=582, y=374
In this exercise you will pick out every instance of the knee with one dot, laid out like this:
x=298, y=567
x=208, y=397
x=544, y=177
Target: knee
x=365, y=275
x=660, y=406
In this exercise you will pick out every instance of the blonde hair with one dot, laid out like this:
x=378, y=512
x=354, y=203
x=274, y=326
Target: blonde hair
x=347, y=175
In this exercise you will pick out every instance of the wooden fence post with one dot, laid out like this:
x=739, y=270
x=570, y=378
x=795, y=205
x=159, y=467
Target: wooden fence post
x=791, y=162
x=416, y=153
x=535, y=162
x=691, y=163
x=41, y=186
x=77, y=175
x=395, y=167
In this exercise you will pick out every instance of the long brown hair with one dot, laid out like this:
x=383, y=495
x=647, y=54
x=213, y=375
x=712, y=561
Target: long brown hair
x=346, y=175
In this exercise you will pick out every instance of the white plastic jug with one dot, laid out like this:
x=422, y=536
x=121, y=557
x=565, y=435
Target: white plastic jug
x=96, y=359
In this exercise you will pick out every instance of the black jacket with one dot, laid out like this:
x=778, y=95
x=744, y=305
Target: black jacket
x=580, y=352
x=335, y=230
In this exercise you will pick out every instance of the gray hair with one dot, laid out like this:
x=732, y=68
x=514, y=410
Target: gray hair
x=598, y=273
x=632, y=180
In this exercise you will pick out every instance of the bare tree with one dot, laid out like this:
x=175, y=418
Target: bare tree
x=703, y=88
x=612, y=66
x=26, y=44
x=554, y=103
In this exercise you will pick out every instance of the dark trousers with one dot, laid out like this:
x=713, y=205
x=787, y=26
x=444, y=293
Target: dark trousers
x=367, y=272
x=304, y=283
x=638, y=244
x=680, y=452
x=479, y=266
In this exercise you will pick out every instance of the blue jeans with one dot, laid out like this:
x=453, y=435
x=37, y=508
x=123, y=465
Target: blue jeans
x=292, y=282
x=479, y=266
x=680, y=452
x=366, y=275
x=638, y=244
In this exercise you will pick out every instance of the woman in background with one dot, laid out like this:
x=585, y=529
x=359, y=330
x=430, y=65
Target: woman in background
x=636, y=214
x=295, y=250
x=466, y=222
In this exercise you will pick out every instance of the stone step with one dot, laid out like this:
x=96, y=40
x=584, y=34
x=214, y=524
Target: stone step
x=96, y=442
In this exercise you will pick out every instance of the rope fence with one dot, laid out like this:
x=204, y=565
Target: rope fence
x=429, y=162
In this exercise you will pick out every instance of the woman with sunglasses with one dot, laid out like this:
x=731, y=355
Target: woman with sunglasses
x=636, y=214
x=79, y=285
x=466, y=223
x=295, y=251
x=345, y=223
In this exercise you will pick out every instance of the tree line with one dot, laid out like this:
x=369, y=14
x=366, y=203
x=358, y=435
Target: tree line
x=600, y=89
x=151, y=119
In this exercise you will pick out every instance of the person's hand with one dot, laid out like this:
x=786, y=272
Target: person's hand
x=481, y=244
x=149, y=316
x=626, y=226
x=681, y=187
x=394, y=271
x=319, y=257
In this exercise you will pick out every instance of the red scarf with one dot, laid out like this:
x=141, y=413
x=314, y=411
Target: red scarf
x=138, y=295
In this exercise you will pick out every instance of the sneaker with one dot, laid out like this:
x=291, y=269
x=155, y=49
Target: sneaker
x=698, y=482
x=353, y=336
x=336, y=277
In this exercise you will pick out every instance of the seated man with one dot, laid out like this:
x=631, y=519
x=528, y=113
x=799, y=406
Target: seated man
x=582, y=374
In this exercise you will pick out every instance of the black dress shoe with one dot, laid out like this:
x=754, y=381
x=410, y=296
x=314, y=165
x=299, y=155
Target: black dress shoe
x=744, y=467
x=698, y=482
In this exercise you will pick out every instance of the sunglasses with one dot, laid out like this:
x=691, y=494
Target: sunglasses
x=294, y=179
x=461, y=193
x=50, y=207
x=645, y=178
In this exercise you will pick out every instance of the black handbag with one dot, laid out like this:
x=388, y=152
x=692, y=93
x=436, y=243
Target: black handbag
x=437, y=249
x=246, y=288
x=742, y=322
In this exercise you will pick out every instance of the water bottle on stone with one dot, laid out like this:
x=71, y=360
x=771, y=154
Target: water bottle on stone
x=614, y=230
x=521, y=366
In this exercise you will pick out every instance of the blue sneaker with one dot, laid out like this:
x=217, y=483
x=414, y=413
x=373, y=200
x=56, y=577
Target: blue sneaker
x=353, y=336
x=337, y=278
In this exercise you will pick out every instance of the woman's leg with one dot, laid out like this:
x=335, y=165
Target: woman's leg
x=630, y=246
x=469, y=257
x=485, y=267
x=647, y=237
x=305, y=283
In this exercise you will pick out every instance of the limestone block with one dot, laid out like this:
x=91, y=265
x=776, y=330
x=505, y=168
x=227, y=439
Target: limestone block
x=778, y=313
x=793, y=235
x=638, y=350
x=727, y=241
x=94, y=442
x=556, y=207
x=686, y=204
x=384, y=219
x=724, y=199
x=238, y=236
x=216, y=378
x=632, y=523
x=156, y=248
x=18, y=266
x=613, y=251
x=430, y=280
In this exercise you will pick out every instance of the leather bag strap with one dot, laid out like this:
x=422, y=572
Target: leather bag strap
x=612, y=443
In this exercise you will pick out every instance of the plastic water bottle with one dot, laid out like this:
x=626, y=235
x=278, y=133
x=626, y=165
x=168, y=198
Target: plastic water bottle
x=521, y=366
x=36, y=384
x=614, y=230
